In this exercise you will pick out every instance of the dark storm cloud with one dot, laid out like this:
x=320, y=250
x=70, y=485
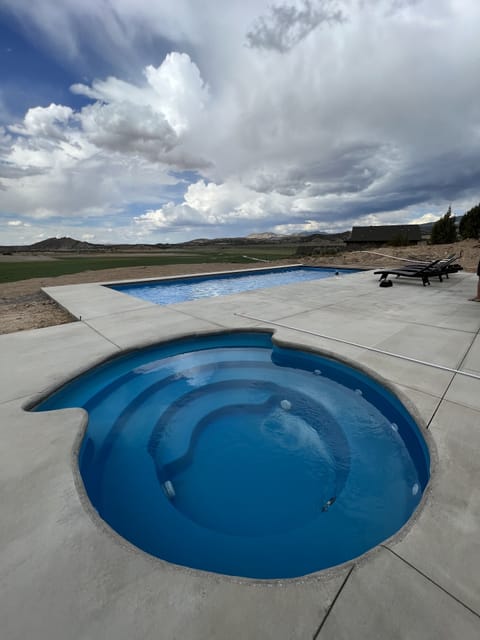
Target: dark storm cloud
x=398, y=5
x=286, y=25
x=350, y=169
x=14, y=171
x=450, y=176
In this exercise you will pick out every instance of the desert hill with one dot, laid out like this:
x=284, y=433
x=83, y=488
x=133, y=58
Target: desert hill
x=79, y=246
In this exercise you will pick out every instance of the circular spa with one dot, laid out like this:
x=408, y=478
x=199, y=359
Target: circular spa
x=231, y=454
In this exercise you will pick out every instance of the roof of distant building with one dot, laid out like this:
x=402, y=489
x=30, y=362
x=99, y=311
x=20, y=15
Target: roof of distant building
x=386, y=233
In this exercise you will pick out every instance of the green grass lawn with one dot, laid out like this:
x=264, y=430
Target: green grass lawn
x=13, y=271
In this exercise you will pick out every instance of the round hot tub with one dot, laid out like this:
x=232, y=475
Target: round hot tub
x=231, y=454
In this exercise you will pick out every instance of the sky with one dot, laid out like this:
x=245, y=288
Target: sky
x=142, y=121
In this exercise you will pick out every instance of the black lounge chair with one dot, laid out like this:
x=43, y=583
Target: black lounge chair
x=439, y=268
x=443, y=266
x=424, y=272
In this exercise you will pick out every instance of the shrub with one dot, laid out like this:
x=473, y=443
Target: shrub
x=444, y=230
x=470, y=223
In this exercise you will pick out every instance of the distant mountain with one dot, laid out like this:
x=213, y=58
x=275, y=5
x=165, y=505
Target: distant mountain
x=62, y=244
x=70, y=245
x=324, y=237
x=265, y=236
x=269, y=238
x=79, y=246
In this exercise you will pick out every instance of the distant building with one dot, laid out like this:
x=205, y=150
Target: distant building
x=385, y=234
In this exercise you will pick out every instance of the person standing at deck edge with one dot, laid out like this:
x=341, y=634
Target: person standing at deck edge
x=477, y=297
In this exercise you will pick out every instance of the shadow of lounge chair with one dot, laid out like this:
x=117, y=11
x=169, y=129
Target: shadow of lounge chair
x=422, y=271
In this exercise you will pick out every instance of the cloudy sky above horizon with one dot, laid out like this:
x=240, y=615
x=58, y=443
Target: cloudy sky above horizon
x=141, y=121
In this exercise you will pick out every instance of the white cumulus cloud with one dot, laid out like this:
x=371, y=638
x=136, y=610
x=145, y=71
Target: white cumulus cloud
x=125, y=144
x=44, y=122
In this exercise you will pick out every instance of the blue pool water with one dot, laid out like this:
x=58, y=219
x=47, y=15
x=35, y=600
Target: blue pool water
x=229, y=454
x=195, y=287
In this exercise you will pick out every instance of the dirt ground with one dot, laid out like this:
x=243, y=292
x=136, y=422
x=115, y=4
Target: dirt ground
x=24, y=306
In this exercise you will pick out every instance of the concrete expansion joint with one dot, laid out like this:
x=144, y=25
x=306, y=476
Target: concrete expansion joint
x=316, y=635
x=383, y=352
x=467, y=351
x=120, y=313
x=424, y=575
x=426, y=324
x=192, y=316
x=102, y=335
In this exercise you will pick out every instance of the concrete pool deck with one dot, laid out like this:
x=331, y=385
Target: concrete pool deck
x=65, y=575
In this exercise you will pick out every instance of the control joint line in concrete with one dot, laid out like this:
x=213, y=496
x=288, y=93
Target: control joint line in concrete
x=439, y=586
x=363, y=346
x=117, y=346
x=317, y=632
x=451, y=381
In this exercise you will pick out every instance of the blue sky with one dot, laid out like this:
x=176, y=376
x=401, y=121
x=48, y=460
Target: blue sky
x=134, y=121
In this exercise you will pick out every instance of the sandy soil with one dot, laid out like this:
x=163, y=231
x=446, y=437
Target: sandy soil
x=24, y=306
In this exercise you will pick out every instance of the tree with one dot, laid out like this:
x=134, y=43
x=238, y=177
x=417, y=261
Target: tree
x=470, y=223
x=444, y=230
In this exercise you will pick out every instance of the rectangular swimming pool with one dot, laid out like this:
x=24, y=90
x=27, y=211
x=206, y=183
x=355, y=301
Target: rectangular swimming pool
x=196, y=287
